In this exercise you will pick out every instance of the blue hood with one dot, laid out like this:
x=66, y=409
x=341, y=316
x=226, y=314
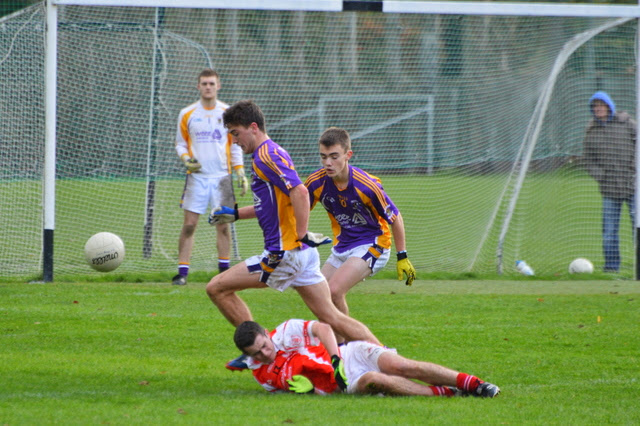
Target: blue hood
x=604, y=97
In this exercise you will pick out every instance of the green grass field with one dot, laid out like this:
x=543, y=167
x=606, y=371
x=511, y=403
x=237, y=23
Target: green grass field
x=451, y=232
x=563, y=352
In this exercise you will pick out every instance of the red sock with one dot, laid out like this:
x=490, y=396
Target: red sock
x=467, y=382
x=441, y=391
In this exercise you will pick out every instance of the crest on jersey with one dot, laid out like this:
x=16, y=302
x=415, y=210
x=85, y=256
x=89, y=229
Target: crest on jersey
x=327, y=201
x=286, y=181
x=388, y=211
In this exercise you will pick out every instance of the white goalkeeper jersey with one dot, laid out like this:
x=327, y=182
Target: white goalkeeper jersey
x=202, y=135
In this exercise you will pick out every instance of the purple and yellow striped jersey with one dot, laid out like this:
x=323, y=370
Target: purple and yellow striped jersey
x=274, y=175
x=360, y=214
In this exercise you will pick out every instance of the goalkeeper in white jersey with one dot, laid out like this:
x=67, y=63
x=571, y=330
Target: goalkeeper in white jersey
x=211, y=161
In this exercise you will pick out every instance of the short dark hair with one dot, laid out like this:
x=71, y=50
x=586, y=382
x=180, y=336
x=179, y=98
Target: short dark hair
x=246, y=334
x=208, y=72
x=243, y=113
x=335, y=136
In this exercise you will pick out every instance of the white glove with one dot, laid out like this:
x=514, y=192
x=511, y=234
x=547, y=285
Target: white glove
x=191, y=164
x=314, y=239
x=223, y=214
x=242, y=181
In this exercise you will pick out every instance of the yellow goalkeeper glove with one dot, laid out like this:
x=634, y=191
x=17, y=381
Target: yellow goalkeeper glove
x=300, y=384
x=405, y=267
x=339, y=373
x=191, y=164
x=242, y=181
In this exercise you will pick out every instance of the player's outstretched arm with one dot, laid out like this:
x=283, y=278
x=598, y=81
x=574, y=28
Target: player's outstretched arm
x=300, y=201
x=247, y=212
x=224, y=214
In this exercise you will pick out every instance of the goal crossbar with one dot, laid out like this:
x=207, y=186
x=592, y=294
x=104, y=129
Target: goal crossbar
x=420, y=7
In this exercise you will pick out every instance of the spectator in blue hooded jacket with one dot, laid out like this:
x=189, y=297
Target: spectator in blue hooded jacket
x=609, y=156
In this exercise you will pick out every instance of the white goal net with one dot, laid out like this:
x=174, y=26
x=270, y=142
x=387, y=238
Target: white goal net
x=475, y=125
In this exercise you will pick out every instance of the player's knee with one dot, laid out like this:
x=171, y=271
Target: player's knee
x=214, y=289
x=210, y=289
x=188, y=229
x=372, y=382
x=337, y=293
x=219, y=287
x=336, y=298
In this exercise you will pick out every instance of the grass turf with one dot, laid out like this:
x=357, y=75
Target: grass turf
x=451, y=231
x=147, y=353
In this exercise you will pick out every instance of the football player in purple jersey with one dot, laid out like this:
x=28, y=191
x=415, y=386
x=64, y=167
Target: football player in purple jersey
x=281, y=205
x=363, y=218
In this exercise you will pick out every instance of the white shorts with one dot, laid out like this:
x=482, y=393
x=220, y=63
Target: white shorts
x=298, y=268
x=375, y=263
x=359, y=358
x=201, y=194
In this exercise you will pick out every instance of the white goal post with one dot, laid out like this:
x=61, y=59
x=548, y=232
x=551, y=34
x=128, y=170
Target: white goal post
x=425, y=7
x=479, y=97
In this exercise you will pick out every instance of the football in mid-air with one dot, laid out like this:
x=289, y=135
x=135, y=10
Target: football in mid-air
x=581, y=266
x=104, y=251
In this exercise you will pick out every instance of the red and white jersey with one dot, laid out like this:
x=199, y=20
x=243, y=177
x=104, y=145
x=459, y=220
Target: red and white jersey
x=201, y=135
x=299, y=352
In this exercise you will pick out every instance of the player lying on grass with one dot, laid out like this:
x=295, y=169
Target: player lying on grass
x=304, y=357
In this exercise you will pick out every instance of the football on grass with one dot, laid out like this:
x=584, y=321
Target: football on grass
x=104, y=251
x=581, y=266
